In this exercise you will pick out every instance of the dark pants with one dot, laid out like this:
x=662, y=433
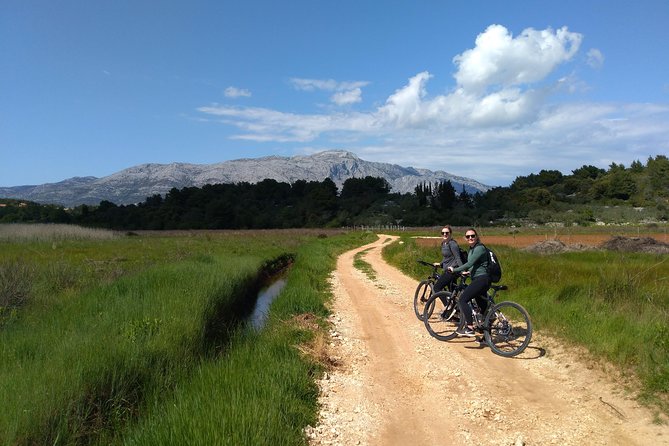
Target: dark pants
x=444, y=282
x=475, y=290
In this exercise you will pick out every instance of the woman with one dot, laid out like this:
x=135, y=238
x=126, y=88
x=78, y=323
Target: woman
x=450, y=252
x=477, y=268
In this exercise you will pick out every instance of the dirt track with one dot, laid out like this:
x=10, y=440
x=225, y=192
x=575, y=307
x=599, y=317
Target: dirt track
x=395, y=385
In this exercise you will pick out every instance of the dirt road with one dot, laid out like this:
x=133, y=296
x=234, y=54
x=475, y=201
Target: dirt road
x=395, y=385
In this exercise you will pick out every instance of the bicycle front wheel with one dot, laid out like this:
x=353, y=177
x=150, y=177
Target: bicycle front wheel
x=423, y=293
x=509, y=329
x=441, y=316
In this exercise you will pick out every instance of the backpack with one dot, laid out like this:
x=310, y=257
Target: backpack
x=463, y=255
x=494, y=268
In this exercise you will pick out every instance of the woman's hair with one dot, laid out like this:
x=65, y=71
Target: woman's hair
x=447, y=227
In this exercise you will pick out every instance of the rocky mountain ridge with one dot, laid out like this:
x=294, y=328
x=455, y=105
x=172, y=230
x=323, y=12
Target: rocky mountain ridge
x=135, y=184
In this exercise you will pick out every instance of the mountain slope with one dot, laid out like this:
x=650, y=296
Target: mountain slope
x=136, y=183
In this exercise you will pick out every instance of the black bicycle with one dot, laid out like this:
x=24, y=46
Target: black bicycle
x=424, y=289
x=442, y=311
x=506, y=326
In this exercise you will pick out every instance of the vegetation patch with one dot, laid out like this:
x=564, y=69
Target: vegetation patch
x=364, y=266
x=162, y=351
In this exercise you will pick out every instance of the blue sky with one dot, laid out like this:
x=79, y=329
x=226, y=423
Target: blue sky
x=484, y=89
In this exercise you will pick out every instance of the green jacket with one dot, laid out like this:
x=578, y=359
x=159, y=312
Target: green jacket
x=477, y=261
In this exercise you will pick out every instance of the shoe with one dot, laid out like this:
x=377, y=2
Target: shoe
x=450, y=311
x=466, y=331
x=448, y=314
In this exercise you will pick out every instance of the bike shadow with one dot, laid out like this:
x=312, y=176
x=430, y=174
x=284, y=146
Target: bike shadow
x=531, y=352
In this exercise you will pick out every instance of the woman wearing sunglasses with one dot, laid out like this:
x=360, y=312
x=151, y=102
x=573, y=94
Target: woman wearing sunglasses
x=450, y=252
x=477, y=268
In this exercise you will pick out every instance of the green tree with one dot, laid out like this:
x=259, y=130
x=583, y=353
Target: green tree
x=445, y=195
x=658, y=175
x=621, y=185
x=588, y=171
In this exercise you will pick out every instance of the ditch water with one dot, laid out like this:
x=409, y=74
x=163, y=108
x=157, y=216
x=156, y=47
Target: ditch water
x=265, y=299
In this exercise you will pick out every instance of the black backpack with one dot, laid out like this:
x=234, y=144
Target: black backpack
x=463, y=255
x=494, y=268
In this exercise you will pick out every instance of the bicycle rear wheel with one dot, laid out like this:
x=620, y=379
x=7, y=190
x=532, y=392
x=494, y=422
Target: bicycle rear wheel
x=510, y=329
x=441, y=316
x=423, y=293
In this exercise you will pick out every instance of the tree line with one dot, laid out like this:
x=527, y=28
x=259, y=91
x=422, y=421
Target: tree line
x=578, y=198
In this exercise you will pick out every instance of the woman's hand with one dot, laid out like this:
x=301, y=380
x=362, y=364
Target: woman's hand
x=450, y=269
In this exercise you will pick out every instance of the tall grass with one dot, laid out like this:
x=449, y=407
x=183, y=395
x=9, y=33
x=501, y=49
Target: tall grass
x=52, y=232
x=615, y=304
x=262, y=390
x=156, y=352
x=82, y=366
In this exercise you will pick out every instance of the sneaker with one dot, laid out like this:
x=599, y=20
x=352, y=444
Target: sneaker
x=466, y=331
x=448, y=314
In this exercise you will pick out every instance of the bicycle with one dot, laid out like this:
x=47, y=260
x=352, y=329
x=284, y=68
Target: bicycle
x=506, y=326
x=441, y=314
x=424, y=289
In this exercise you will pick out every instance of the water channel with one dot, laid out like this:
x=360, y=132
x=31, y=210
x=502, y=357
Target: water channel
x=265, y=299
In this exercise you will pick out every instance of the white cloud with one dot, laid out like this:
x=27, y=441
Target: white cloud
x=346, y=93
x=326, y=84
x=595, y=58
x=496, y=123
x=347, y=97
x=234, y=92
x=500, y=59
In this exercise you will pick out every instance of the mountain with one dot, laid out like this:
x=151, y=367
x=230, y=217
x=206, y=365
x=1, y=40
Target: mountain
x=135, y=184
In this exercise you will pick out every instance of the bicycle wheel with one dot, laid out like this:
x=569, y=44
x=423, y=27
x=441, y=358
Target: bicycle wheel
x=423, y=293
x=441, y=316
x=510, y=329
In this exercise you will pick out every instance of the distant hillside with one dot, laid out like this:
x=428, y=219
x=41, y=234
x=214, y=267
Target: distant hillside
x=135, y=184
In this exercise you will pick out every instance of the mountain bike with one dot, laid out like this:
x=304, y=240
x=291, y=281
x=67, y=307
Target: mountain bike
x=506, y=326
x=441, y=314
x=424, y=289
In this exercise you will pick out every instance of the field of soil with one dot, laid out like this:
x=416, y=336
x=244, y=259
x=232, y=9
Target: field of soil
x=525, y=240
x=393, y=384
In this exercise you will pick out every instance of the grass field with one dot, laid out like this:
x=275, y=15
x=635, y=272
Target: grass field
x=142, y=339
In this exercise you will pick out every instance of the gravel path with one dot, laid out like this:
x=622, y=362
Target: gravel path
x=395, y=385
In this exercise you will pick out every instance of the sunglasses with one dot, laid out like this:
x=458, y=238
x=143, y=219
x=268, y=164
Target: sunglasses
x=445, y=232
x=470, y=236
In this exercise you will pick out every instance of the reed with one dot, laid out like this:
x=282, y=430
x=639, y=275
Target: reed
x=52, y=232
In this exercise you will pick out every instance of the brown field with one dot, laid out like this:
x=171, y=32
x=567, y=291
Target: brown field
x=524, y=240
x=566, y=236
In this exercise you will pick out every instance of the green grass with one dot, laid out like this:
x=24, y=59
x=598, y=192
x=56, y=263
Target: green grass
x=363, y=265
x=140, y=340
x=262, y=390
x=83, y=364
x=614, y=304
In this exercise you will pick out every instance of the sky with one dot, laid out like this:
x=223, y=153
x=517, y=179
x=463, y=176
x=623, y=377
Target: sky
x=488, y=90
